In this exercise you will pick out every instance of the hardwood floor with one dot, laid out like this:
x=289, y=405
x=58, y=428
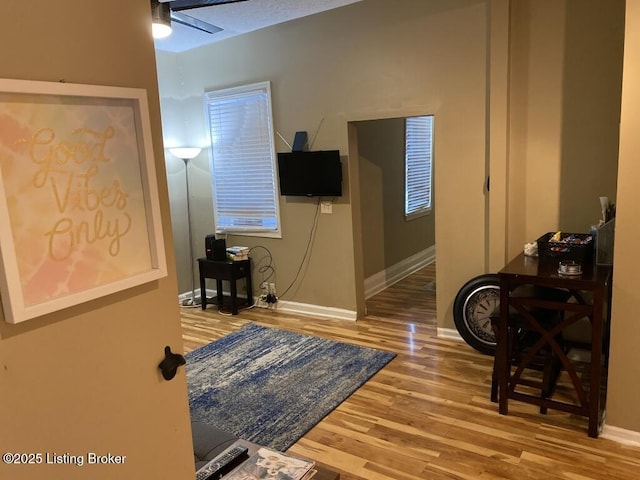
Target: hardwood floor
x=427, y=414
x=412, y=299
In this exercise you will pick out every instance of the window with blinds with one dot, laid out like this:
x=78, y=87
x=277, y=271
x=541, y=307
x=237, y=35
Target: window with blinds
x=243, y=160
x=418, y=165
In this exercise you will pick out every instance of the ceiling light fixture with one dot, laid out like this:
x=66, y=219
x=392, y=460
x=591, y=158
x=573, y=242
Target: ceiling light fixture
x=161, y=18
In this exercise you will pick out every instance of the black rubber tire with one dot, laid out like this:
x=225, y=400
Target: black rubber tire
x=484, y=289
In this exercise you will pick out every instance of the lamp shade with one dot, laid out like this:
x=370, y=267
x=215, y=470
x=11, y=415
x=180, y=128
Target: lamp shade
x=161, y=18
x=185, y=153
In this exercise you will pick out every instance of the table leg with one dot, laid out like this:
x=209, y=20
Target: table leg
x=203, y=293
x=249, y=288
x=502, y=350
x=234, y=295
x=219, y=294
x=596, y=364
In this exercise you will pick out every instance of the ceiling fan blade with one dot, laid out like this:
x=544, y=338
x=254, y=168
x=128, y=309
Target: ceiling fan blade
x=177, y=5
x=194, y=23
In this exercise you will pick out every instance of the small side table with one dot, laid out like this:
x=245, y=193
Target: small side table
x=220, y=270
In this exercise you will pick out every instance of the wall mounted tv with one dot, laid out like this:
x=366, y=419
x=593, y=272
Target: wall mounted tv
x=310, y=174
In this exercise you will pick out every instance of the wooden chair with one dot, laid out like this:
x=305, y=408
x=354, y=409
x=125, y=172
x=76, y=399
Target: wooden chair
x=520, y=339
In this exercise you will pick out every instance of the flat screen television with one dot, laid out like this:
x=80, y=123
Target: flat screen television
x=310, y=174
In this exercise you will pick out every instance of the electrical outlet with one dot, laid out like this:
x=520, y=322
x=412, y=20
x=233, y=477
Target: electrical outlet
x=261, y=302
x=326, y=206
x=272, y=288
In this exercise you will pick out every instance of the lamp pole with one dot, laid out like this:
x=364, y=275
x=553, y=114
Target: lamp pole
x=186, y=154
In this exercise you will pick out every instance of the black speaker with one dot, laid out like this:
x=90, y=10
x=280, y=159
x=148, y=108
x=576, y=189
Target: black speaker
x=220, y=250
x=209, y=242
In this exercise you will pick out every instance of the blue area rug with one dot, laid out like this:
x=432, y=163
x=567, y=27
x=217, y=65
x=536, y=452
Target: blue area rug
x=271, y=386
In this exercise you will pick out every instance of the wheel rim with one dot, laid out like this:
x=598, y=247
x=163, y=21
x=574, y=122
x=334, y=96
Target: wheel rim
x=477, y=307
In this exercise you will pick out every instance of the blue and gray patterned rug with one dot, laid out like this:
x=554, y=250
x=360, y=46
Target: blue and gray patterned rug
x=271, y=386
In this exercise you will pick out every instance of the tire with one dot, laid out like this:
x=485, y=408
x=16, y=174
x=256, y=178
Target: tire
x=473, y=304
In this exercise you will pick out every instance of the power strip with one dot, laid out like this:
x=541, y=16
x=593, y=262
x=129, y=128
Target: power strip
x=268, y=299
x=262, y=302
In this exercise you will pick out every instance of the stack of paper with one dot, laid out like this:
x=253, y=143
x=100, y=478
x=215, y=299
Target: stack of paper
x=267, y=463
x=238, y=253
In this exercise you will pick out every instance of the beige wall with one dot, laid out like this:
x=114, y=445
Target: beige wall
x=590, y=109
x=387, y=237
x=564, y=112
x=624, y=389
x=366, y=61
x=85, y=379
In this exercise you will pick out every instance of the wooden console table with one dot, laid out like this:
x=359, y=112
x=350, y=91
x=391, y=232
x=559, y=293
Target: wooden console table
x=590, y=297
x=225, y=270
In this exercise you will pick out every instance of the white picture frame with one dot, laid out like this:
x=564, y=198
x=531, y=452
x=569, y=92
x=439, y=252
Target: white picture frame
x=79, y=208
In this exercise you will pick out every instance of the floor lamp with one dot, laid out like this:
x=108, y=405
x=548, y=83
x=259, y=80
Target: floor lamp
x=185, y=154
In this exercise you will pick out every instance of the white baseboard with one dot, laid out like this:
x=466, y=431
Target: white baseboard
x=621, y=435
x=387, y=277
x=315, y=310
x=210, y=294
x=186, y=295
x=285, y=306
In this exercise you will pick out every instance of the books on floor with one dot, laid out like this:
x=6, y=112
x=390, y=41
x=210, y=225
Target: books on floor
x=270, y=464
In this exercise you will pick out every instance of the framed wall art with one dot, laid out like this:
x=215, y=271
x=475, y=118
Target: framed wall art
x=79, y=208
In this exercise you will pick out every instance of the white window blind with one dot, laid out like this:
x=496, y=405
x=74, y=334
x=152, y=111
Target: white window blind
x=243, y=160
x=418, y=165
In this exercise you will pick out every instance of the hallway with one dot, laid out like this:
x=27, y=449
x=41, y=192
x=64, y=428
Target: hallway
x=411, y=300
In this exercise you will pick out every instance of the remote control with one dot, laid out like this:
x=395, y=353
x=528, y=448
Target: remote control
x=222, y=464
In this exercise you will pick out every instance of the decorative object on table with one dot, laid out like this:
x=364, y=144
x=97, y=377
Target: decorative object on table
x=554, y=247
x=472, y=308
x=270, y=464
x=531, y=249
x=186, y=154
x=79, y=209
x=271, y=386
x=569, y=268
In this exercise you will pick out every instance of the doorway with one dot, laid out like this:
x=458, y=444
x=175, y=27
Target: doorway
x=398, y=254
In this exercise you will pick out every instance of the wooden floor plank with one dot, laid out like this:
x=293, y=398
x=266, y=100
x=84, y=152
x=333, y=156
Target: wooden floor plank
x=427, y=414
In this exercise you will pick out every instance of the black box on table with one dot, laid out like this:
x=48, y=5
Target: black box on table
x=576, y=247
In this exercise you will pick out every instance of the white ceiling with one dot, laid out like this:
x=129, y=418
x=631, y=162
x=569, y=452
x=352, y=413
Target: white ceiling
x=240, y=17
